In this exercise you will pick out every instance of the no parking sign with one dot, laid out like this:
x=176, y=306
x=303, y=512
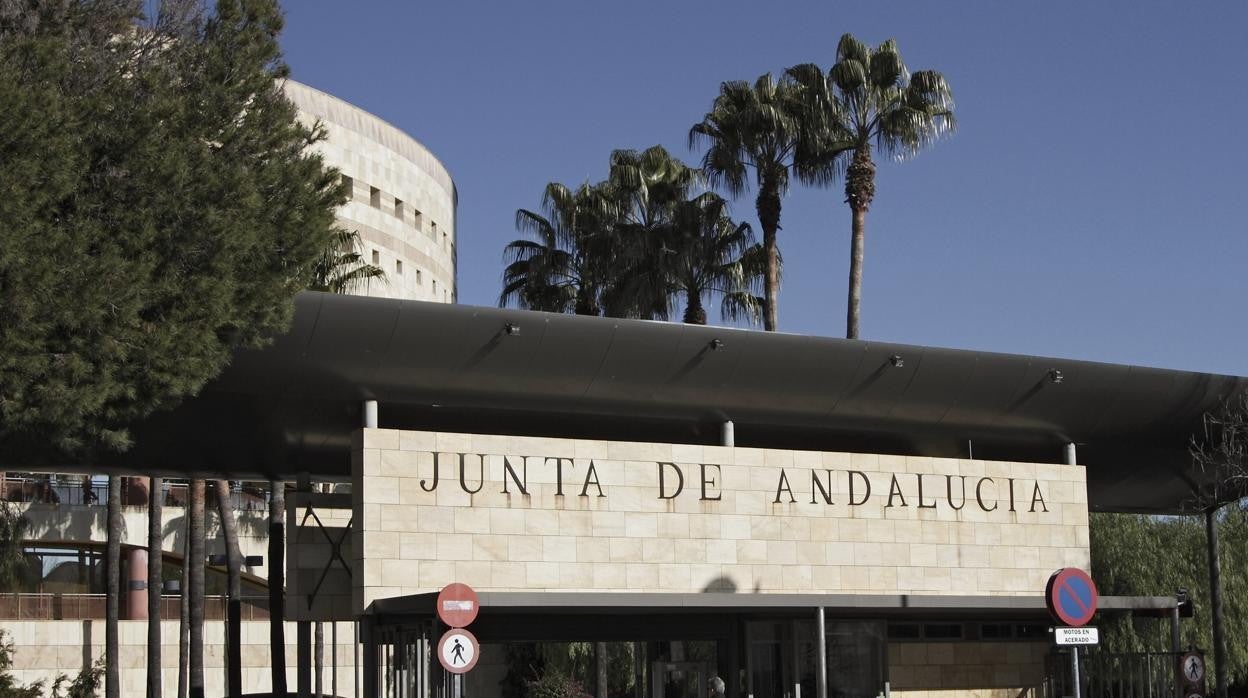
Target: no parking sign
x=1071, y=596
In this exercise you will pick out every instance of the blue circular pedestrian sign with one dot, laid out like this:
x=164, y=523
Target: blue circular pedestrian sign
x=1071, y=596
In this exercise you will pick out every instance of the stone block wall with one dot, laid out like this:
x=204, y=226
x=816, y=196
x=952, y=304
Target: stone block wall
x=530, y=514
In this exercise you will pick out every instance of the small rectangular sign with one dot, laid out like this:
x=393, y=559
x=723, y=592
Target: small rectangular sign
x=1076, y=636
x=456, y=605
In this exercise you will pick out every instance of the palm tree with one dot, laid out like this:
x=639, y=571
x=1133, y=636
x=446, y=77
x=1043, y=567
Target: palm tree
x=753, y=126
x=560, y=269
x=195, y=587
x=154, y=578
x=112, y=566
x=868, y=98
x=341, y=268
x=643, y=190
x=234, y=565
x=710, y=254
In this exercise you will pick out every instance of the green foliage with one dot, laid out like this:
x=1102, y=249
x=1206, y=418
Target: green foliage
x=554, y=685
x=341, y=267
x=13, y=528
x=84, y=685
x=1134, y=555
x=9, y=688
x=159, y=206
x=631, y=245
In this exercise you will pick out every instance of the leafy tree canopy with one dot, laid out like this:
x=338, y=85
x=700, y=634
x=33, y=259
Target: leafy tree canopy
x=159, y=206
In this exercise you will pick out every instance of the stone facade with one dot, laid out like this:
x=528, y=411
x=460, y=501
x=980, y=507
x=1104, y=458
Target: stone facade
x=403, y=201
x=536, y=514
x=967, y=669
x=45, y=649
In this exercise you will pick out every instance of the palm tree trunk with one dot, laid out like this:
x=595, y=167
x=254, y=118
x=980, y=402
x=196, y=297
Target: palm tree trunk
x=112, y=612
x=277, y=584
x=1215, y=602
x=768, y=206
x=855, y=273
x=859, y=192
x=234, y=564
x=184, y=607
x=155, y=558
x=195, y=587
x=695, y=314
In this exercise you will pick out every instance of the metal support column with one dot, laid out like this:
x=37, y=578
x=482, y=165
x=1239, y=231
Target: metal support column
x=368, y=638
x=303, y=628
x=1175, y=648
x=821, y=679
x=1070, y=455
x=728, y=435
x=1076, y=689
x=370, y=414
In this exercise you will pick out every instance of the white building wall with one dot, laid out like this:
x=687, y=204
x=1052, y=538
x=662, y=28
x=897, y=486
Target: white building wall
x=403, y=199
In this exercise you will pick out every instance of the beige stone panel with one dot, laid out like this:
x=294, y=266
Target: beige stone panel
x=417, y=546
x=576, y=575
x=541, y=522
x=751, y=551
x=381, y=544
x=673, y=525
x=489, y=547
x=559, y=549
x=658, y=550
x=811, y=552
x=446, y=442
x=396, y=517
x=525, y=548
x=690, y=550
x=781, y=552
x=435, y=519
x=938, y=532
x=625, y=549
x=853, y=530
x=608, y=524
x=380, y=439
x=641, y=525
x=610, y=576
x=796, y=578
x=674, y=577
x=454, y=546
x=858, y=578
x=721, y=551
x=894, y=554
x=474, y=573
x=399, y=572
x=507, y=521
x=642, y=577
x=590, y=550
x=882, y=531
x=883, y=578
x=543, y=575
x=509, y=575
x=824, y=528
x=765, y=528
x=825, y=578
x=418, y=441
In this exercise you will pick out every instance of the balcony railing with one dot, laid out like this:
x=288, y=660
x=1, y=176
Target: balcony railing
x=92, y=607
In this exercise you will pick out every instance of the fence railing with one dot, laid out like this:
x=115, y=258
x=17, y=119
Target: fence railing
x=92, y=607
x=85, y=490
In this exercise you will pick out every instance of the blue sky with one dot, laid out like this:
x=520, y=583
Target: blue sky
x=1089, y=206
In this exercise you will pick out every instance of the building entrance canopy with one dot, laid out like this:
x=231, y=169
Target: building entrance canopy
x=293, y=406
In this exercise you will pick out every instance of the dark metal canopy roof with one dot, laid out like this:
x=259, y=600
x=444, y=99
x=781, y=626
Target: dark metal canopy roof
x=292, y=407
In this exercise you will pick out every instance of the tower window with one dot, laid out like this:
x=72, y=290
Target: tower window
x=350, y=185
x=376, y=258
x=398, y=209
x=374, y=197
x=398, y=267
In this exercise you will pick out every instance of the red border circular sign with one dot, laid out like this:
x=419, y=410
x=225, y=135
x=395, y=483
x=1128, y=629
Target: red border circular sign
x=1071, y=596
x=457, y=605
x=449, y=665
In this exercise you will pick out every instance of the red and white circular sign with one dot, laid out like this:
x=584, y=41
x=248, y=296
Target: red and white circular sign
x=458, y=651
x=457, y=605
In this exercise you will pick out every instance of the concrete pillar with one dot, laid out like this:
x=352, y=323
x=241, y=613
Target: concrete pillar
x=1071, y=458
x=136, y=584
x=728, y=436
x=370, y=414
